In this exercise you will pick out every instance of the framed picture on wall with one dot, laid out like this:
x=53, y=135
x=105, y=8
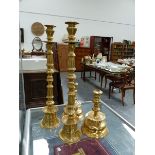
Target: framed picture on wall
x=22, y=35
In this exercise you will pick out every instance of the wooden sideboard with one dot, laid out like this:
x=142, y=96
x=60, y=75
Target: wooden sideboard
x=35, y=88
x=80, y=52
x=63, y=55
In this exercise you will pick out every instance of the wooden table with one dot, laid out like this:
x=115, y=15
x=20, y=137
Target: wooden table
x=129, y=62
x=102, y=70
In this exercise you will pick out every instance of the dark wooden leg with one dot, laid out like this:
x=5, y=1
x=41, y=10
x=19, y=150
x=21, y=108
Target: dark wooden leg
x=95, y=75
x=134, y=96
x=112, y=89
x=109, y=90
x=90, y=74
x=123, y=95
x=84, y=78
x=101, y=80
x=81, y=74
x=105, y=82
x=99, y=77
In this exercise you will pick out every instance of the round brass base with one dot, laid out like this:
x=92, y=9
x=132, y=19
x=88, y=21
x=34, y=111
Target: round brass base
x=94, y=126
x=50, y=119
x=49, y=123
x=95, y=134
x=71, y=137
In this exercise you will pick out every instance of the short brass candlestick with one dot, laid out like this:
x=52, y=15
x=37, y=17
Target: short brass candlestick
x=70, y=132
x=94, y=125
x=50, y=119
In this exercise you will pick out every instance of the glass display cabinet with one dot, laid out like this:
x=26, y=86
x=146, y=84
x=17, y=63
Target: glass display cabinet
x=22, y=106
x=102, y=44
x=39, y=141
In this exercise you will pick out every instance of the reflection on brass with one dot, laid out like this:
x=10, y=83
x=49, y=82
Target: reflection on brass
x=50, y=119
x=50, y=32
x=94, y=125
x=80, y=152
x=78, y=105
x=70, y=132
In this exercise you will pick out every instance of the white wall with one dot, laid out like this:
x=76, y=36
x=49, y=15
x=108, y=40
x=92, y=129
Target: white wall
x=96, y=17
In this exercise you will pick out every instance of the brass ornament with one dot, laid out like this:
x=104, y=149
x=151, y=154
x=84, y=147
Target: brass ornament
x=50, y=32
x=50, y=119
x=94, y=125
x=70, y=132
x=78, y=106
x=37, y=29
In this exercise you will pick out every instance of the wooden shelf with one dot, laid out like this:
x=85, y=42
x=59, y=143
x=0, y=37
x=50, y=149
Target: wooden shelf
x=121, y=51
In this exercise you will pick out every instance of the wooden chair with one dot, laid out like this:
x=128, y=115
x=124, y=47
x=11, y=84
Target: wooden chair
x=127, y=82
x=110, y=77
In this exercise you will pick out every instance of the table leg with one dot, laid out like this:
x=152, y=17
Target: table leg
x=81, y=74
x=84, y=73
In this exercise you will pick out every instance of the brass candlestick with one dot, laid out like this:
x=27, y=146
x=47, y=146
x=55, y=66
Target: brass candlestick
x=70, y=132
x=94, y=125
x=78, y=108
x=50, y=32
x=50, y=119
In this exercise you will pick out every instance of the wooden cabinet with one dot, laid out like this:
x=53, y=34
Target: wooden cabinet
x=102, y=44
x=80, y=52
x=63, y=56
x=35, y=84
x=117, y=51
x=35, y=89
x=55, y=56
x=122, y=51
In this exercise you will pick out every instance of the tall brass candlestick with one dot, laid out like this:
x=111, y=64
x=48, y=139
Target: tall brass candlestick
x=70, y=132
x=50, y=119
x=78, y=108
x=94, y=125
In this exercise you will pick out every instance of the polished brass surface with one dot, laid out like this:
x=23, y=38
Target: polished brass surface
x=94, y=125
x=78, y=105
x=50, y=119
x=50, y=32
x=70, y=132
